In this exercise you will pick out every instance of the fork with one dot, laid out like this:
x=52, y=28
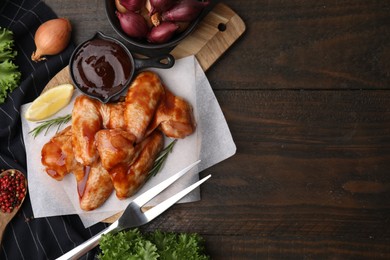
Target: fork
x=133, y=215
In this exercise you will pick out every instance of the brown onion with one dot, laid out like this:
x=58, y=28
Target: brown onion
x=162, y=33
x=51, y=38
x=132, y=5
x=184, y=11
x=133, y=24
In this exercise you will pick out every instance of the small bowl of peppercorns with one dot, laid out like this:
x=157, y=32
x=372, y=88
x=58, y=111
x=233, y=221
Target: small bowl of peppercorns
x=13, y=189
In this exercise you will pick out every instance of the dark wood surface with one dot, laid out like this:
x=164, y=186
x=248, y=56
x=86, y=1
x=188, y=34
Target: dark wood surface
x=306, y=95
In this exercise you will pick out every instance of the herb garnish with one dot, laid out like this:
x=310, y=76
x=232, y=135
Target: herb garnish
x=161, y=159
x=58, y=121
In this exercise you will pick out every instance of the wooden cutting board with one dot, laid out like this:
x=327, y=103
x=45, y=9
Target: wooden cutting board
x=218, y=30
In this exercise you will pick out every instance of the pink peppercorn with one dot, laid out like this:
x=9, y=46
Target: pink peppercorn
x=12, y=190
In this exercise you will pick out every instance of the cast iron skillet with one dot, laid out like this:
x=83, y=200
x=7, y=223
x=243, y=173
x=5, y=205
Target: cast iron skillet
x=164, y=61
x=143, y=46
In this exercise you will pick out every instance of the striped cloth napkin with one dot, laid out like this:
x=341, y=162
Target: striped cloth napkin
x=26, y=237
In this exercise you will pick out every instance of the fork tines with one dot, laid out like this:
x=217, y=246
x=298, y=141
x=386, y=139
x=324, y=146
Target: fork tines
x=151, y=193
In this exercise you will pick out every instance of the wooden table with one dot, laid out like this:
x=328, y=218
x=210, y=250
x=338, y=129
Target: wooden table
x=306, y=95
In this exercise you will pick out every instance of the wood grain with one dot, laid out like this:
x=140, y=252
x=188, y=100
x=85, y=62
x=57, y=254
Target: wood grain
x=216, y=33
x=62, y=77
x=305, y=92
x=287, y=192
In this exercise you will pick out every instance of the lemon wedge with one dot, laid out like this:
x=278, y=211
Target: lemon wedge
x=49, y=102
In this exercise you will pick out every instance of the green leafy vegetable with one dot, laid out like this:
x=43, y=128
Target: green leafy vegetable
x=132, y=244
x=10, y=74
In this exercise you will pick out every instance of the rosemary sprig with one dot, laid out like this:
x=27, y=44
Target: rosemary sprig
x=161, y=158
x=58, y=121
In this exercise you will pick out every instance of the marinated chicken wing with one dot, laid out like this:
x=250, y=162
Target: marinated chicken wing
x=57, y=154
x=115, y=146
x=127, y=179
x=113, y=115
x=142, y=100
x=95, y=188
x=86, y=122
x=174, y=117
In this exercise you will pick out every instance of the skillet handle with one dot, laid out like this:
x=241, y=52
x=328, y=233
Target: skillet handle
x=164, y=62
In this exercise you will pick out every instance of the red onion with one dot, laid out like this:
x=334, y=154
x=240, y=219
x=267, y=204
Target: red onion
x=132, y=5
x=133, y=24
x=163, y=32
x=160, y=5
x=120, y=7
x=184, y=11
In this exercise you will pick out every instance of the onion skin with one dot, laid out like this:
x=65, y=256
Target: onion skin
x=145, y=13
x=133, y=24
x=147, y=5
x=184, y=11
x=120, y=7
x=132, y=5
x=51, y=38
x=163, y=32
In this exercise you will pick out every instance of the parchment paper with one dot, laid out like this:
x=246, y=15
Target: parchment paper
x=211, y=143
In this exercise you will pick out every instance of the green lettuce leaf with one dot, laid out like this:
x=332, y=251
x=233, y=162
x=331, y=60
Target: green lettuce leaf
x=10, y=74
x=157, y=245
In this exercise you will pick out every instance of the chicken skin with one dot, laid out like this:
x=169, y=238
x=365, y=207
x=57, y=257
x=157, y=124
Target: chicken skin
x=141, y=101
x=57, y=154
x=174, y=117
x=113, y=115
x=128, y=178
x=95, y=187
x=86, y=122
x=115, y=146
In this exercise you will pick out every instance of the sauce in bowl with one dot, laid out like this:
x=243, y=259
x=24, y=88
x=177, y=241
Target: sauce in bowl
x=101, y=68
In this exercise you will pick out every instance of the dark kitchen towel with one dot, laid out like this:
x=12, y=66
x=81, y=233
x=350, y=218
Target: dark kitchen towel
x=27, y=237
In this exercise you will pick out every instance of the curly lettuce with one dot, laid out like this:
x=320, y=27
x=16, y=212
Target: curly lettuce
x=10, y=74
x=157, y=245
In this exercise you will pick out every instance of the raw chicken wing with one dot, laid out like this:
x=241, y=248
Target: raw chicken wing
x=115, y=146
x=86, y=121
x=57, y=154
x=127, y=179
x=174, y=116
x=95, y=188
x=113, y=115
x=142, y=100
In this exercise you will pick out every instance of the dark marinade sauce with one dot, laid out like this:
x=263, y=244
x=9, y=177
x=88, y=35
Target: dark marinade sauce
x=101, y=68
